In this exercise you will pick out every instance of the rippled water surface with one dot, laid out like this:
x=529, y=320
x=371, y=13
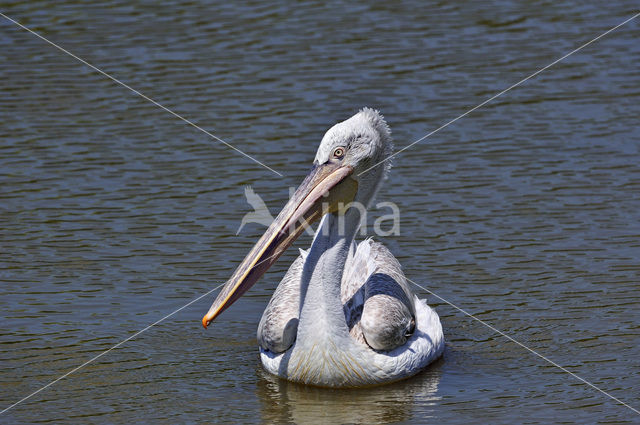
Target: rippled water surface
x=114, y=213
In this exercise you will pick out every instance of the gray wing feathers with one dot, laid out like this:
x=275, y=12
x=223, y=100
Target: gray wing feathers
x=387, y=317
x=279, y=324
x=375, y=295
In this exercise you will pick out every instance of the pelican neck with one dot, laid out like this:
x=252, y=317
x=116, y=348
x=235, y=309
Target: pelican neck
x=322, y=316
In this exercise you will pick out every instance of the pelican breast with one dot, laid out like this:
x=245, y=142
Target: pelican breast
x=392, y=334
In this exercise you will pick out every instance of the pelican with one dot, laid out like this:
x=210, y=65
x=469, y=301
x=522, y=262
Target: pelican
x=344, y=314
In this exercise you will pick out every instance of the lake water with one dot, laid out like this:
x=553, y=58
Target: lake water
x=114, y=213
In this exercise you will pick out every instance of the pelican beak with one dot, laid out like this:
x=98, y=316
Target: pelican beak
x=321, y=192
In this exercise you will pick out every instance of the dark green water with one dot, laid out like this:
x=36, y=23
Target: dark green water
x=114, y=213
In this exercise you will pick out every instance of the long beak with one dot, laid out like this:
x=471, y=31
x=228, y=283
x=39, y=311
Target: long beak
x=320, y=193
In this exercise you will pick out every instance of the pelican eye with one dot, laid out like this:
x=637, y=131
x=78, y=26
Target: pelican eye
x=338, y=152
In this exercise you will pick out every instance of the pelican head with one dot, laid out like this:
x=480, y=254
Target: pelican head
x=341, y=175
x=360, y=142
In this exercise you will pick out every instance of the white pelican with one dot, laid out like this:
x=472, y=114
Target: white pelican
x=344, y=314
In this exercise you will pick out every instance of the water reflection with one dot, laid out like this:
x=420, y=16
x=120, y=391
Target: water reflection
x=283, y=401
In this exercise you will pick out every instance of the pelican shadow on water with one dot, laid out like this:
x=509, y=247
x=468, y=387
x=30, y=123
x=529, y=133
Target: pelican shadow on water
x=344, y=314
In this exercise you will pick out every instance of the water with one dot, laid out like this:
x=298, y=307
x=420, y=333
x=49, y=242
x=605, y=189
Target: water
x=113, y=213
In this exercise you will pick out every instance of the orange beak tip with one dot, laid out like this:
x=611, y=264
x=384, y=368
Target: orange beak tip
x=205, y=322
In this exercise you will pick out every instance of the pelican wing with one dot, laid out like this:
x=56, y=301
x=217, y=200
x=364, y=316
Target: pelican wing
x=376, y=298
x=279, y=324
